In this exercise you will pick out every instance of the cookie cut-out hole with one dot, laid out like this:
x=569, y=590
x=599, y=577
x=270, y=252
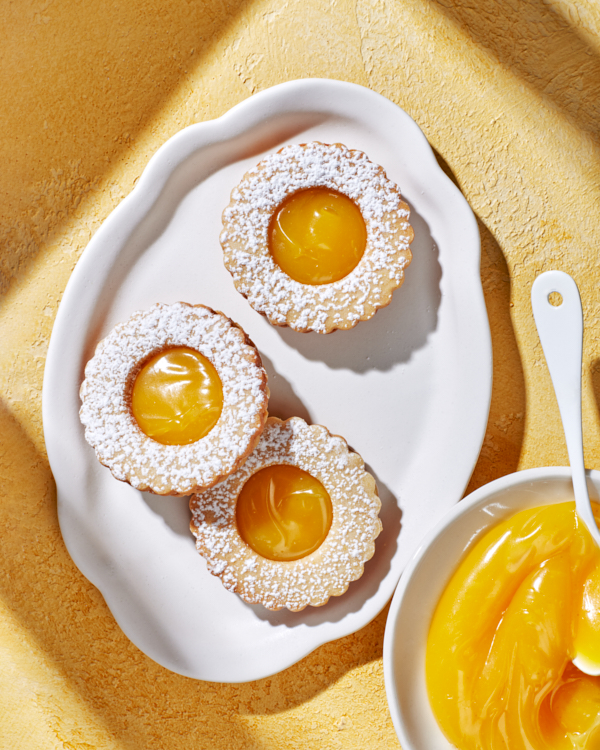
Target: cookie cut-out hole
x=555, y=299
x=177, y=396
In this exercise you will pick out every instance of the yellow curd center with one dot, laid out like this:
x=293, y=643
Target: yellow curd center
x=177, y=397
x=522, y=604
x=317, y=236
x=283, y=513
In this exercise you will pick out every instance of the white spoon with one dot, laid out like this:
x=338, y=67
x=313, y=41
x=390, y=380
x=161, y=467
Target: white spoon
x=560, y=328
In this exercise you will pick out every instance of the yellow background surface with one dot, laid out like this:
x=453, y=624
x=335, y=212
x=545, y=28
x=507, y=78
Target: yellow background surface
x=506, y=91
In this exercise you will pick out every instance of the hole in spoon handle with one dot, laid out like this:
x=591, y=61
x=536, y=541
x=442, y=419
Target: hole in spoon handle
x=560, y=328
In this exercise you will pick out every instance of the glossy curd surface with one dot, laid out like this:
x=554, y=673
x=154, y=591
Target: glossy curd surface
x=283, y=513
x=177, y=397
x=521, y=605
x=317, y=236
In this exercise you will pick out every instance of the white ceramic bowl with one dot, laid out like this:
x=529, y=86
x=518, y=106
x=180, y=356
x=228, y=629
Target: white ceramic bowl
x=426, y=577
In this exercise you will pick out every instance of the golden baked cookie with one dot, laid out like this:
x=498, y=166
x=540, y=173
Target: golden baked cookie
x=316, y=237
x=174, y=399
x=295, y=524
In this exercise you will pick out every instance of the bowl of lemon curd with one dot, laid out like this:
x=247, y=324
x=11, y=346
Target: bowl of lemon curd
x=493, y=636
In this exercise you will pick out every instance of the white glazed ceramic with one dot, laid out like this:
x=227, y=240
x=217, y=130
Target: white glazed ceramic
x=428, y=574
x=409, y=389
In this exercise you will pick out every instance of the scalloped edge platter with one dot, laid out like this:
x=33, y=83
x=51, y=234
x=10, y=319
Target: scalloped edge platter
x=409, y=389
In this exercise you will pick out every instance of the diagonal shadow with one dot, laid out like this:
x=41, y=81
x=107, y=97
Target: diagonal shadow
x=139, y=703
x=503, y=439
x=78, y=86
x=594, y=375
x=316, y=673
x=537, y=44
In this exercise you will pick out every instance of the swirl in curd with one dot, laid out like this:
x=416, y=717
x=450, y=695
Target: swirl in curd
x=177, y=397
x=283, y=513
x=524, y=602
x=317, y=236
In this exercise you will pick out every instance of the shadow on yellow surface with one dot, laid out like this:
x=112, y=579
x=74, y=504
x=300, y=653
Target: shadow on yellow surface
x=79, y=81
x=100, y=671
x=595, y=381
x=535, y=42
x=503, y=440
x=324, y=667
x=89, y=668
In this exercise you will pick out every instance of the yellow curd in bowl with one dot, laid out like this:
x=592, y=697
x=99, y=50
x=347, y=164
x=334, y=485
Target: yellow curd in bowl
x=521, y=605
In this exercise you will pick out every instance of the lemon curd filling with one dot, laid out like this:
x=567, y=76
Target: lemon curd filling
x=317, y=236
x=283, y=513
x=523, y=603
x=177, y=397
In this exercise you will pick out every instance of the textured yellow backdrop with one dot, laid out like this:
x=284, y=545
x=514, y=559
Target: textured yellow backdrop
x=508, y=93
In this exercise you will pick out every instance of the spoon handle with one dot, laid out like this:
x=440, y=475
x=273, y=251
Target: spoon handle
x=560, y=329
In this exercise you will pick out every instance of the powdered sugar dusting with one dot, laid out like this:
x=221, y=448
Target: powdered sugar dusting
x=112, y=431
x=338, y=561
x=324, y=307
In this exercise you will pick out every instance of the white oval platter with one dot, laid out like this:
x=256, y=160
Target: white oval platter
x=409, y=389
